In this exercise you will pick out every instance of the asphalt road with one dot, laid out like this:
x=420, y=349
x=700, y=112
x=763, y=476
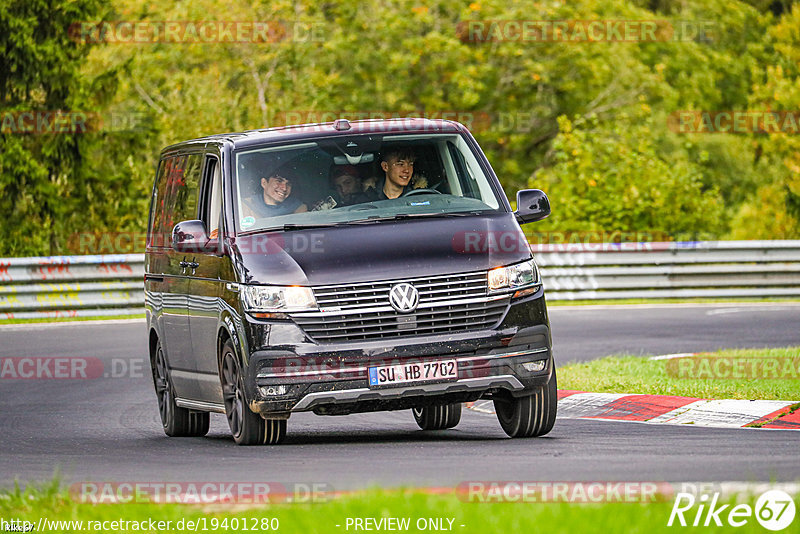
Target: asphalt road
x=583, y=333
x=107, y=429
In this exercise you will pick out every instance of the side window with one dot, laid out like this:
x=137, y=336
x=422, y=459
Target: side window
x=466, y=181
x=157, y=204
x=211, y=197
x=188, y=189
x=175, y=197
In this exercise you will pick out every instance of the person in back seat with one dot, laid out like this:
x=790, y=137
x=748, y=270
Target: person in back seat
x=348, y=185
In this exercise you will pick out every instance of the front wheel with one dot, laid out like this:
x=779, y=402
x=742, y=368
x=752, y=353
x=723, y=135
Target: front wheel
x=176, y=421
x=438, y=417
x=247, y=428
x=531, y=415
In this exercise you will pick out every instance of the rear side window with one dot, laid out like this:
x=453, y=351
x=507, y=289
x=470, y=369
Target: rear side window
x=157, y=202
x=211, y=197
x=175, y=197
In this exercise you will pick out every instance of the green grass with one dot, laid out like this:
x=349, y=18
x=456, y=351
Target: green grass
x=637, y=374
x=72, y=319
x=54, y=503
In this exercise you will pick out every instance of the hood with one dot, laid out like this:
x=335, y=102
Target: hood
x=383, y=250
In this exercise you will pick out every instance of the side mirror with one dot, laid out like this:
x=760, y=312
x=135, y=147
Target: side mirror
x=190, y=236
x=532, y=206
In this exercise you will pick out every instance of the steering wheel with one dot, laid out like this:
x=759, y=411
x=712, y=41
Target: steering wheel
x=421, y=191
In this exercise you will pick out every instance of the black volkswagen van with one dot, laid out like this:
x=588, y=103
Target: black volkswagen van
x=339, y=268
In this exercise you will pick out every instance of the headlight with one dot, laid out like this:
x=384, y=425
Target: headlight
x=513, y=277
x=278, y=299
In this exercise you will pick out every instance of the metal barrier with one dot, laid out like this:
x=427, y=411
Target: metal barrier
x=670, y=270
x=71, y=286
x=74, y=286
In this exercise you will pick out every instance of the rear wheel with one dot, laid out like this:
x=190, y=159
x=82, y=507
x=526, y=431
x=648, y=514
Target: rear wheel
x=438, y=417
x=529, y=416
x=176, y=421
x=247, y=428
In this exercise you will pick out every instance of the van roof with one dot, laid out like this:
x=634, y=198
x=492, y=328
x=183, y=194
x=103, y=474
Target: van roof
x=326, y=129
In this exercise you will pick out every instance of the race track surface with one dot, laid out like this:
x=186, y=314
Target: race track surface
x=107, y=429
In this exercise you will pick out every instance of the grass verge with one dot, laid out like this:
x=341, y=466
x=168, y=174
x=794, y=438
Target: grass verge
x=452, y=513
x=72, y=319
x=637, y=374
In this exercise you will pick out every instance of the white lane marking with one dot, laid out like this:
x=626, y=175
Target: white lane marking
x=590, y=307
x=724, y=413
x=720, y=413
x=481, y=406
x=68, y=324
x=673, y=356
x=587, y=404
x=725, y=311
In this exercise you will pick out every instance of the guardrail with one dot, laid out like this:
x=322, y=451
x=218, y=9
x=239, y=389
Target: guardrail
x=74, y=286
x=670, y=270
x=71, y=286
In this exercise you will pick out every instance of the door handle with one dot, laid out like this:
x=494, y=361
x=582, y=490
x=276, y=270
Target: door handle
x=193, y=265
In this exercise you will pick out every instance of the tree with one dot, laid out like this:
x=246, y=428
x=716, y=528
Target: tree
x=49, y=185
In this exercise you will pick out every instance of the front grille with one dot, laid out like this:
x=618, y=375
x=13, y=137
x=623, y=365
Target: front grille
x=451, y=303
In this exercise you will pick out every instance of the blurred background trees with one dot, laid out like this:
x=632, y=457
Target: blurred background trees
x=587, y=121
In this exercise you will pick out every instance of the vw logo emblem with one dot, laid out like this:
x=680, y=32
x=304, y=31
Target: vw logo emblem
x=404, y=297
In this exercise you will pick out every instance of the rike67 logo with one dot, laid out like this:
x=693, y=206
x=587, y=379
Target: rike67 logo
x=774, y=510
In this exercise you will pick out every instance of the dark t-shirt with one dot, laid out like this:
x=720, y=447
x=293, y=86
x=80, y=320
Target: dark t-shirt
x=262, y=209
x=358, y=197
x=376, y=193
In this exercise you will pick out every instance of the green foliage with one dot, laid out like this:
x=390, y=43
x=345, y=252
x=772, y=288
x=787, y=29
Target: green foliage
x=612, y=179
x=535, y=102
x=55, y=184
x=773, y=211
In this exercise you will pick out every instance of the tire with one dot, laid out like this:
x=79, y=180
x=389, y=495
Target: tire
x=437, y=417
x=176, y=421
x=530, y=416
x=247, y=428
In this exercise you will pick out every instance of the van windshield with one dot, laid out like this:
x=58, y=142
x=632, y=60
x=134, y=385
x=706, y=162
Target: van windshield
x=359, y=178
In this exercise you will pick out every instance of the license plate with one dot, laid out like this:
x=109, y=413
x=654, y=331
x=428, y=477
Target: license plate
x=413, y=372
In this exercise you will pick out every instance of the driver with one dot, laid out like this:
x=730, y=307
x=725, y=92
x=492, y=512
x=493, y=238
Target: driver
x=398, y=167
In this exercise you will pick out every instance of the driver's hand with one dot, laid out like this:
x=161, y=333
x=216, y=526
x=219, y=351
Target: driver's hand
x=419, y=182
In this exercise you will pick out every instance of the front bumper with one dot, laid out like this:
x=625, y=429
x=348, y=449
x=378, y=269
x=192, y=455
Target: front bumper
x=333, y=379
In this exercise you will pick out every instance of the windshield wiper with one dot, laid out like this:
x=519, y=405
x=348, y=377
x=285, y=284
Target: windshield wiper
x=368, y=220
x=403, y=216
x=292, y=226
